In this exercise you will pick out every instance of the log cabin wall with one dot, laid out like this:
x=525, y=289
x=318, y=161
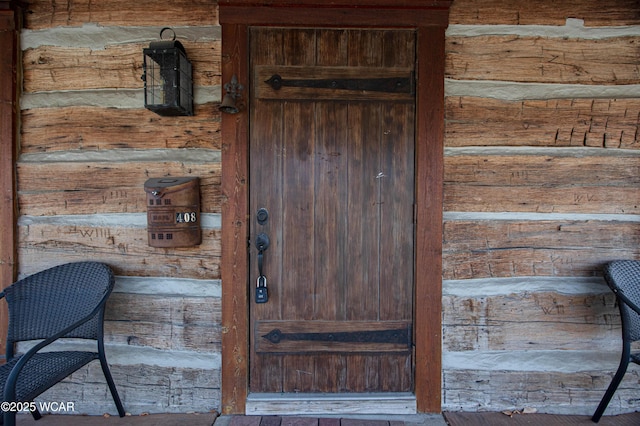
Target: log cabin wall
x=88, y=146
x=542, y=173
x=541, y=188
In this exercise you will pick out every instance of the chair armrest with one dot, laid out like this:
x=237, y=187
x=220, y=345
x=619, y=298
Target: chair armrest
x=10, y=385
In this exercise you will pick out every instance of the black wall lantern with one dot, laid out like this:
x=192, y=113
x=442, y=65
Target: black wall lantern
x=168, y=88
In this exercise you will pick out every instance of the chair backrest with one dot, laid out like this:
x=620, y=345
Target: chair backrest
x=623, y=277
x=49, y=301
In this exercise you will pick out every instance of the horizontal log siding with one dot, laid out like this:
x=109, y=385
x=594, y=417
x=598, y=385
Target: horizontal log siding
x=545, y=12
x=508, y=248
x=574, y=122
x=165, y=322
x=565, y=393
x=540, y=320
x=564, y=181
x=95, y=128
x=542, y=174
x=42, y=14
x=544, y=60
x=87, y=148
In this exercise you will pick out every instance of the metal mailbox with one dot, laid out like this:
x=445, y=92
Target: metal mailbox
x=173, y=211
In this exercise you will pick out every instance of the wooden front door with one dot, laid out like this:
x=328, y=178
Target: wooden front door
x=332, y=138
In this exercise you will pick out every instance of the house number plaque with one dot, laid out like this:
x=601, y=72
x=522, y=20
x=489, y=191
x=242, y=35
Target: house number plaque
x=173, y=212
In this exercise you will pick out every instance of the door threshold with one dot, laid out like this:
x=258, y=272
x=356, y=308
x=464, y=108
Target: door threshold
x=318, y=404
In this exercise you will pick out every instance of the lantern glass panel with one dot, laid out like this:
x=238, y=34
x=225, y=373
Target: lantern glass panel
x=167, y=75
x=185, y=86
x=154, y=87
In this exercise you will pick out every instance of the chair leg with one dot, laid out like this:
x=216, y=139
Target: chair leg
x=36, y=414
x=9, y=418
x=112, y=385
x=617, y=378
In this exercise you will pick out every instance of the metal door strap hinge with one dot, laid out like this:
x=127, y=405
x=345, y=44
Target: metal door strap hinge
x=383, y=84
x=401, y=336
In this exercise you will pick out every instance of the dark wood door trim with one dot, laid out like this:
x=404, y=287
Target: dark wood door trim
x=235, y=20
x=9, y=29
x=326, y=16
x=235, y=231
x=429, y=198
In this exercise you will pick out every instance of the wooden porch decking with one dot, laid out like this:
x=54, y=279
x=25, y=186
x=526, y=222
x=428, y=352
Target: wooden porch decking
x=499, y=419
x=209, y=419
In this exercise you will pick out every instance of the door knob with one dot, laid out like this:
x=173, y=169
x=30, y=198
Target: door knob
x=262, y=242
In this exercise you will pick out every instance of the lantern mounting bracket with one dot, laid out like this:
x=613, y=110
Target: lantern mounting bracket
x=169, y=29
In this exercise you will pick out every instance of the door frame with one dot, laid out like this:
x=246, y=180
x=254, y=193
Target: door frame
x=10, y=24
x=430, y=20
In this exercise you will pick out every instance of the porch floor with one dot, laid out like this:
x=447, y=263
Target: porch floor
x=448, y=418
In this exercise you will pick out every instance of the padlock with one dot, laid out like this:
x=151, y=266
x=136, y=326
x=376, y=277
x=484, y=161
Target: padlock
x=262, y=295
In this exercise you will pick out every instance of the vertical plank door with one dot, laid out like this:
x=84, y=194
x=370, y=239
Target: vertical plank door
x=332, y=115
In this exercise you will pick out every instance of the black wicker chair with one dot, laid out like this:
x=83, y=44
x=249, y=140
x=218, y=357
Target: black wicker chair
x=64, y=301
x=623, y=277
